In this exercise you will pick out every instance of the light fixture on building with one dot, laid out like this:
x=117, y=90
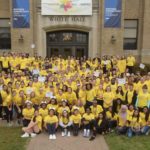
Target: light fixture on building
x=113, y=39
x=21, y=38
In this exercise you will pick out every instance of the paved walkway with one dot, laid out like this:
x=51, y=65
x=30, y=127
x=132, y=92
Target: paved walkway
x=41, y=142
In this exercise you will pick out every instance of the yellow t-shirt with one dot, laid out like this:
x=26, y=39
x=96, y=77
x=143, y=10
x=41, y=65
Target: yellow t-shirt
x=88, y=117
x=51, y=119
x=43, y=112
x=61, y=109
x=90, y=95
x=109, y=116
x=108, y=99
x=130, y=61
x=39, y=121
x=76, y=119
x=28, y=113
x=144, y=122
x=130, y=96
x=64, y=120
x=96, y=110
x=134, y=123
x=122, y=121
x=143, y=99
x=71, y=97
x=82, y=96
x=81, y=109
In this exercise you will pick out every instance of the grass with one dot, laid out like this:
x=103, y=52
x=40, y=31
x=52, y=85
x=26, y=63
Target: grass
x=117, y=142
x=10, y=139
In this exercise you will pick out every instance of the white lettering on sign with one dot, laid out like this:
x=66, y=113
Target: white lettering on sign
x=66, y=19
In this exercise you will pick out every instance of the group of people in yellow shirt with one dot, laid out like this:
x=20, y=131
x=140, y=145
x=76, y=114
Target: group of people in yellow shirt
x=95, y=95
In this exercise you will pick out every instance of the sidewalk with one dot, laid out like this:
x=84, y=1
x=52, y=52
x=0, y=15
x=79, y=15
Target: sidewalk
x=41, y=142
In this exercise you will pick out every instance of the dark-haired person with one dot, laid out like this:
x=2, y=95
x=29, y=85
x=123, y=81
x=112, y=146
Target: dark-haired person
x=34, y=127
x=90, y=95
x=51, y=123
x=112, y=118
x=100, y=125
x=131, y=96
x=18, y=99
x=87, y=119
x=65, y=123
x=7, y=103
x=76, y=121
x=96, y=109
x=135, y=124
x=130, y=63
x=145, y=117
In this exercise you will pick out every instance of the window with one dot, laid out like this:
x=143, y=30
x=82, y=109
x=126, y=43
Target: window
x=130, y=34
x=81, y=37
x=5, y=36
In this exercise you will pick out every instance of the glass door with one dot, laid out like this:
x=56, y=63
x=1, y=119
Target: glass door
x=80, y=52
x=67, y=52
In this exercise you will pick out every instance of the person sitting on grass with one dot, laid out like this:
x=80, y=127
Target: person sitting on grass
x=122, y=120
x=134, y=124
x=145, y=117
x=100, y=125
x=51, y=123
x=34, y=127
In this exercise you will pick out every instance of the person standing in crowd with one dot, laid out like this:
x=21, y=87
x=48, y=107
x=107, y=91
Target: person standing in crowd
x=130, y=63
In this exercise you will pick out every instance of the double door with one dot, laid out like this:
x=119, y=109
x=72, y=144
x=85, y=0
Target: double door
x=65, y=51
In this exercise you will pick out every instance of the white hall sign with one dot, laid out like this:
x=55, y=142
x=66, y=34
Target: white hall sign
x=67, y=7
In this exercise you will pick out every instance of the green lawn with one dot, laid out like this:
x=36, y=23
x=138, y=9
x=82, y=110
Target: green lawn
x=10, y=139
x=117, y=142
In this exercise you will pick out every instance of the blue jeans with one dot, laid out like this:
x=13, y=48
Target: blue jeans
x=145, y=129
x=51, y=128
x=132, y=132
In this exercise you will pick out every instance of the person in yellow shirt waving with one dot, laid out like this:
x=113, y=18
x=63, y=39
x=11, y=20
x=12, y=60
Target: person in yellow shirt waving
x=34, y=127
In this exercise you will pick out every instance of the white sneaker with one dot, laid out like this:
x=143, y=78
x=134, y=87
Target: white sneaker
x=68, y=134
x=54, y=137
x=63, y=134
x=50, y=137
x=25, y=135
x=33, y=135
x=85, y=133
x=88, y=133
